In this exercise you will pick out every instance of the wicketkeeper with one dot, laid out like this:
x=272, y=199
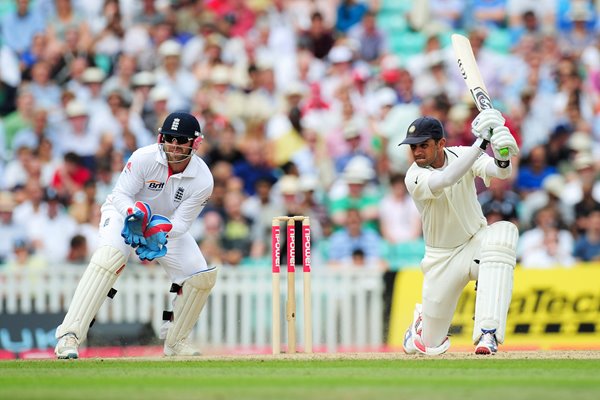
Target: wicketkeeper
x=160, y=192
x=460, y=246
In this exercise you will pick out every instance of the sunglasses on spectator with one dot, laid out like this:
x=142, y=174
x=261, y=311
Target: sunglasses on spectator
x=179, y=139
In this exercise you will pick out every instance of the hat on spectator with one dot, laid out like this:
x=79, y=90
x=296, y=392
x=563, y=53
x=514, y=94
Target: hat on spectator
x=459, y=112
x=143, y=78
x=351, y=131
x=386, y=97
x=295, y=88
x=358, y=170
x=289, y=184
x=7, y=202
x=308, y=183
x=75, y=108
x=580, y=141
x=21, y=243
x=554, y=184
x=93, y=75
x=579, y=11
x=219, y=75
x=340, y=54
x=169, y=48
x=159, y=93
x=583, y=160
x=422, y=129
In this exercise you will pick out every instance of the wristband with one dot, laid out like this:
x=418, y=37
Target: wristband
x=502, y=163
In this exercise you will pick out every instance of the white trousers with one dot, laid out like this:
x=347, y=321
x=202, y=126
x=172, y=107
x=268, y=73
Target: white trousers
x=183, y=258
x=446, y=273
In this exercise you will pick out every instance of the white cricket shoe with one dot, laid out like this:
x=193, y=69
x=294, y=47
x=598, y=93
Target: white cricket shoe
x=67, y=347
x=413, y=332
x=413, y=342
x=181, y=348
x=488, y=344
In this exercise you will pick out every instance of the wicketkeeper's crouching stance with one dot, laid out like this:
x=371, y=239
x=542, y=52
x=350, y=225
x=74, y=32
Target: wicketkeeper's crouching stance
x=161, y=190
x=460, y=246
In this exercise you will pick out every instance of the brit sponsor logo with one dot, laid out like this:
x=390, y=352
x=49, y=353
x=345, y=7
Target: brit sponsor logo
x=155, y=186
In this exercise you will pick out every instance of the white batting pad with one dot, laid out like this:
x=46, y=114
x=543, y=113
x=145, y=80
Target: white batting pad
x=189, y=304
x=494, y=286
x=99, y=277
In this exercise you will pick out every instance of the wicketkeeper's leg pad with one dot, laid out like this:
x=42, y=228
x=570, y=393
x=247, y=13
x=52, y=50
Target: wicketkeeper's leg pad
x=189, y=304
x=495, y=281
x=95, y=284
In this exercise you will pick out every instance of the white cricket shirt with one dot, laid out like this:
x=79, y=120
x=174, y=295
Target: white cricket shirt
x=452, y=215
x=179, y=197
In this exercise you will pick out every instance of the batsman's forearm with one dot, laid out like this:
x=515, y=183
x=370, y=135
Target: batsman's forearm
x=453, y=172
x=496, y=172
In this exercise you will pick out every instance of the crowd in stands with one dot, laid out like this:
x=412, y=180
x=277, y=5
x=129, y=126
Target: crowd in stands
x=302, y=104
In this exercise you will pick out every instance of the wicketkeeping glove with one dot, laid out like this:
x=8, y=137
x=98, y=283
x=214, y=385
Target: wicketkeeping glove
x=156, y=238
x=503, y=139
x=486, y=121
x=135, y=224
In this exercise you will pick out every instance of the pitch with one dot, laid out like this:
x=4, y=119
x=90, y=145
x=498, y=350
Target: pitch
x=509, y=375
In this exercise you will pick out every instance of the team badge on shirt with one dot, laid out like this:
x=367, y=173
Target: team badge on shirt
x=179, y=194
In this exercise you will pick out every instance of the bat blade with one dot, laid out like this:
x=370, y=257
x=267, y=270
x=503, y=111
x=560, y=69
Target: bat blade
x=471, y=74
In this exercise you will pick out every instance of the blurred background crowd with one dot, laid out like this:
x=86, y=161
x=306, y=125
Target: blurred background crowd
x=303, y=104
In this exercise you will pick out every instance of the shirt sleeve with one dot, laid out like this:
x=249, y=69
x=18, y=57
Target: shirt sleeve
x=129, y=183
x=188, y=210
x=417, y=183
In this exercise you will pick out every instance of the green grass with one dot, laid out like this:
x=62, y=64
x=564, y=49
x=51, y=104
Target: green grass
x=422, y=379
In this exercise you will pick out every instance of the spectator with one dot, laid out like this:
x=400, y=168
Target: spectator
x=78, y=250
x=24, y=259
x=501, y=199
x=236, y=230
x=318, y=38
x=71, y=176
x=254, y=166
x=372, y=42
x=42, y=230
x=18, y=28
x=352, y=238
x=587, y=246
x=355, y=192
x=533, y=171
x=9, y=230
x=399, y=218
x=546, y=245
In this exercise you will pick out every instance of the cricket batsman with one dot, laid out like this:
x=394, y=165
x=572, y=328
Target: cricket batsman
x=160, y=192
x=460, y=246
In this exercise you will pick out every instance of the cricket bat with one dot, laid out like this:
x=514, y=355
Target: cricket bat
x=470, y=73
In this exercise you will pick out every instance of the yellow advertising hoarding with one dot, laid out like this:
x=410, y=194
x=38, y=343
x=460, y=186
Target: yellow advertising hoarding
x=555, y=308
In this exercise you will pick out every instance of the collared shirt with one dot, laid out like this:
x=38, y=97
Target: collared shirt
x=18, y=31
x=179, y=197
x=453, y=215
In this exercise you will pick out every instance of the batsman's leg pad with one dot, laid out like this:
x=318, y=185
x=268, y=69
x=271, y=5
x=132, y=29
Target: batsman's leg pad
x=495, y=282
x=95, y=284
x=189, y=304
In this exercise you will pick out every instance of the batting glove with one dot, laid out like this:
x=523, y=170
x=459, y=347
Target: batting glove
x=485, y=122
x=503, y=139
x=135, y=224
x=156, y=238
